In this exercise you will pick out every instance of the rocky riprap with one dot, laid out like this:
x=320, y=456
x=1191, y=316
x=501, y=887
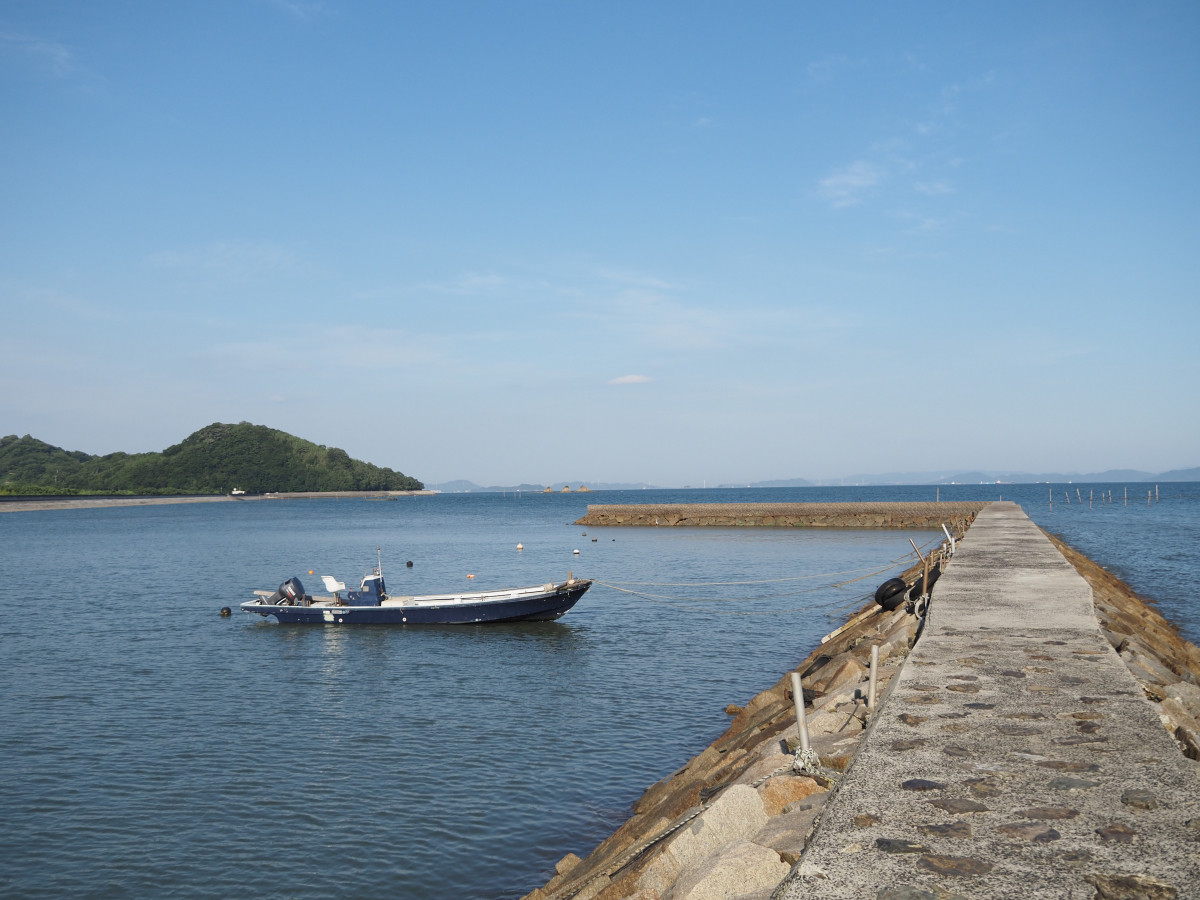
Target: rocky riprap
x=1163, y=661
x=737, y=817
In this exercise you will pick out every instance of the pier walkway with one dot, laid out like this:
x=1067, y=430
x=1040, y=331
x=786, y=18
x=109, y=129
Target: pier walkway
x=1015, y=755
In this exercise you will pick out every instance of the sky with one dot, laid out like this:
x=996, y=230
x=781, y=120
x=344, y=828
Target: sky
x=676, y=242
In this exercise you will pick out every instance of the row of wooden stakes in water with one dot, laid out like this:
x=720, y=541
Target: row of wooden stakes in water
x=1079, y=497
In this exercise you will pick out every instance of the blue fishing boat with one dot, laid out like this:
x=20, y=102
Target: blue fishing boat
x=371, y=604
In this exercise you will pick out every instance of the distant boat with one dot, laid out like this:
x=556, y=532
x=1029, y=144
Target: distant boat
x=372, y=605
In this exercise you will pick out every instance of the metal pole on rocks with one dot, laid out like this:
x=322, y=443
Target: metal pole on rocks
x=806, y=758
x=798, y=700
x=949, y=537
x=874, y=677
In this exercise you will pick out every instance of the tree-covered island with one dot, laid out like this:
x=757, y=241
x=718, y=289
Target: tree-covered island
x=214, y=460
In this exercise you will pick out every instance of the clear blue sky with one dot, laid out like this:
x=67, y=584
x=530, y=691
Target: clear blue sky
x=670, y=242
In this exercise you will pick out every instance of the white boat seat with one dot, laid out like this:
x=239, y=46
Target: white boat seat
x=331, y=585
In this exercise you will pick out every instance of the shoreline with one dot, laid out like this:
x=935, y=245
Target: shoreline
x=29, y=504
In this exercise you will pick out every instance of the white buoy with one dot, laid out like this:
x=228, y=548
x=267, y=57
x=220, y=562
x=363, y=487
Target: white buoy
x=520, y=546
x=576, y=552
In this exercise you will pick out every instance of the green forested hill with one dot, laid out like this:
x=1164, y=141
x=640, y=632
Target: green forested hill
x=214, y=460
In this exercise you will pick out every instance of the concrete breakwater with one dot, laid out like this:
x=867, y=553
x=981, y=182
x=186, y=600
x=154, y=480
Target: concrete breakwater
x=1014, y=754
x=784, y=515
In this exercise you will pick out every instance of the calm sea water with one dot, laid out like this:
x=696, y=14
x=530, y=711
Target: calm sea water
x=151, y=748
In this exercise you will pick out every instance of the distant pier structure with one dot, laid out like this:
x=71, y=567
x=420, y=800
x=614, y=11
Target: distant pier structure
x=783, y=515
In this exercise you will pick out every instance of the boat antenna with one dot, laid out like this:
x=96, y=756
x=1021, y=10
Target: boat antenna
x=379, y=560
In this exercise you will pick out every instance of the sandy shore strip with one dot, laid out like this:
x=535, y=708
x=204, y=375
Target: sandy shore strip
x=29, y=505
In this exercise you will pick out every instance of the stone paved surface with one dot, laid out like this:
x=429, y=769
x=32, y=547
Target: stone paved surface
x=1015, y=757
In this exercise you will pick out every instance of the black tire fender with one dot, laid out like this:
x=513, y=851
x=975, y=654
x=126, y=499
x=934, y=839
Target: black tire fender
x=890, y=594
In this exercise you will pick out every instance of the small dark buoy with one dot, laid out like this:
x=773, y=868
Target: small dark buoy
x=595, y=539
x=226, y=611
x=409, y=564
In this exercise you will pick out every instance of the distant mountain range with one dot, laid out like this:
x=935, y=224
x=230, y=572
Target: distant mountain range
x=1111, y=476
x=214, y=460
x=469, y=487
x=1008, y=477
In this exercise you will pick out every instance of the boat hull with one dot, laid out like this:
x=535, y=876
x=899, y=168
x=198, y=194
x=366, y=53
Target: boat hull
x=542, y=606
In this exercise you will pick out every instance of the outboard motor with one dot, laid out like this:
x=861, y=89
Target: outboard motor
x=290, y=593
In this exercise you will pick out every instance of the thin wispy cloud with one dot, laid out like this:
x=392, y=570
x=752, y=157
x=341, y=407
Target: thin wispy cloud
x=301, y=9
x=826, y=68
x=234, y=260
x=467, y=284
x=308, y=346
x=48, y=56
x=631, y=379
x=78, y=307
x=846, y=186
x=635, y=279
x=655, y=319
x=918, y=224
x=947, y=103
x=933, y=188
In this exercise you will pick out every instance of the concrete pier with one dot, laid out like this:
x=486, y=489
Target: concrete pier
x=1015, y=755
x=874, y=514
